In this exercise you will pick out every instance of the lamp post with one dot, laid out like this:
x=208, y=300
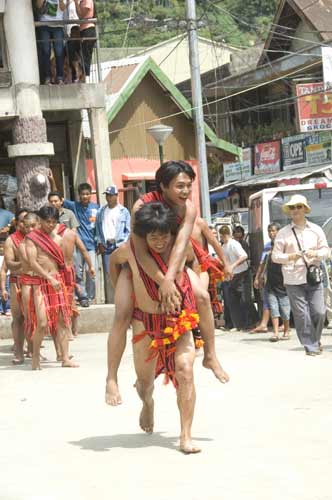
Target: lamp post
x=160, y=133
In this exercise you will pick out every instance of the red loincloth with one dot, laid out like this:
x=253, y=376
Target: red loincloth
x=56, y=302
x=207, y=263
x=164, y=330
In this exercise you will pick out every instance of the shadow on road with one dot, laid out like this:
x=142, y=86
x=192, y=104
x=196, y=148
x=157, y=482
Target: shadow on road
x=134, y=441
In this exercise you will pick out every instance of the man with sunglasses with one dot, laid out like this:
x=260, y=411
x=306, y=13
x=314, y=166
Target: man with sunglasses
x=298, y=246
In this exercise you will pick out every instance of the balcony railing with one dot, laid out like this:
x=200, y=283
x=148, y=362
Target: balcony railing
x=73, y=52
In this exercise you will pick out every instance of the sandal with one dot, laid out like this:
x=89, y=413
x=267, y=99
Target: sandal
x=259, y=329
x=285, y=336
x=274, y=338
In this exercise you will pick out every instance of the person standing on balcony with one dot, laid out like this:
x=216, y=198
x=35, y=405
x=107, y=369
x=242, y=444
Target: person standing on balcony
x=86, y=10
x=51, y=10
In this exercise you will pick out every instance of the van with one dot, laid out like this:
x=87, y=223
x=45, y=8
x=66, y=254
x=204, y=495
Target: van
x=266, y=206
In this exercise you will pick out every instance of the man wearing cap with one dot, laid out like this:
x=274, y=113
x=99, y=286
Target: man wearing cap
x=297, y=246
x=112, y=229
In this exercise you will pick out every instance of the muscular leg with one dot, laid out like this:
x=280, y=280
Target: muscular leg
x=145, y=372
x=206, y=325
x=63, y=342
x=41, y=327
x=116, y=343
x=186, y=394
x=17, y=325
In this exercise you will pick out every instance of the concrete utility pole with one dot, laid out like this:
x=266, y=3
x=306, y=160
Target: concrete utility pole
x=196, y=91
x=30, y=149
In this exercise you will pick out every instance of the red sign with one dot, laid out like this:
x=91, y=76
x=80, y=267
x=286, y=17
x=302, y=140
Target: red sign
x=314, y=107
x=267, y=158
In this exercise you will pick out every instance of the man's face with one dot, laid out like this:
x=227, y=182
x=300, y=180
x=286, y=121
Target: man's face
x=112, y=200
x=29, y=225
x=158, y=242
x=297, y=212
x=56, y=202
x=20, y=221
x=238, y=236
x=272, y=233
x=48, y=225
x=85, y=197
x=178, y=190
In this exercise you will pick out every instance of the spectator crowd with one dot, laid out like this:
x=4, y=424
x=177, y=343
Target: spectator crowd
x=64, y=46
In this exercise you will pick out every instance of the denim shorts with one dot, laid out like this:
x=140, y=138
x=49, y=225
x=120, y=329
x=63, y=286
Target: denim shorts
x=279, y=305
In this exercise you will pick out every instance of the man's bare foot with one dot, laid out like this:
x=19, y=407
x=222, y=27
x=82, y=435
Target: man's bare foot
x=214, y=365
x=69, y=364
x=112, y=394
x=18, y=361
x=146, y=420
x=35, y=364
x=187, y=447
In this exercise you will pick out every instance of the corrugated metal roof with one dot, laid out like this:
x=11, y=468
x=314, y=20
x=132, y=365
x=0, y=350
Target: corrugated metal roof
x=319, y=13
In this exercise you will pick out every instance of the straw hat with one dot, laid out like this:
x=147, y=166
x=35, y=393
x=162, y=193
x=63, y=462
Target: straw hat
x=296, y=199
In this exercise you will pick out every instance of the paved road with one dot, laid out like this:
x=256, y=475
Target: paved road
x=267, y=435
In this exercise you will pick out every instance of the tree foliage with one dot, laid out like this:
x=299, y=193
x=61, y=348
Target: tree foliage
x=146, y=22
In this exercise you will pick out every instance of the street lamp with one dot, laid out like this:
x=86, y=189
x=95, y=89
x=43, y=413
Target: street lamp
x=160, y=133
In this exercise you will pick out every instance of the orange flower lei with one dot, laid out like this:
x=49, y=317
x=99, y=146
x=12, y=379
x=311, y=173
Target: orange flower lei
x=176, y=327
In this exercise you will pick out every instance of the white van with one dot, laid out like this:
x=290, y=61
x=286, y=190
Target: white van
x=266, y=206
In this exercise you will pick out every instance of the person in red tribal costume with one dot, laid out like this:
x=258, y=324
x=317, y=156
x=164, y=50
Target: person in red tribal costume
x=70, y=241
x=174, y=180
x=49, y=308
x=14, y=265
x=30, y=222
x=162, y=342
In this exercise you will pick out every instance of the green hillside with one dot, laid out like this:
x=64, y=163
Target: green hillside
x=139, y=23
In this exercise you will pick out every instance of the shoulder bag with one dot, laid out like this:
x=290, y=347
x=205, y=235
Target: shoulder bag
x=314, y=273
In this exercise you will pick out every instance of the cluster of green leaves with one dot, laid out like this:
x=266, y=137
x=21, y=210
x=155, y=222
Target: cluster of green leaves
x=157, y=20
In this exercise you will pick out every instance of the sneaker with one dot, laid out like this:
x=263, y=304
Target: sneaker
x=84, y=303
x=60, y=82
x=47, y=81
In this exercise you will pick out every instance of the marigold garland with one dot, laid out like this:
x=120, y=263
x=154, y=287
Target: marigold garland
x=176, y=326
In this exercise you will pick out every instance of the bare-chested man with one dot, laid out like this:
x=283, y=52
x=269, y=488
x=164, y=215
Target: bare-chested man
x=14, y=265
x=174, y=180
x=154, y=330
x=51, y=309
x=70, y=241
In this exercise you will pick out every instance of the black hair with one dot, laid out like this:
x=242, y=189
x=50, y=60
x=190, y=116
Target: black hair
x=20, y=211
x=238, y=229
x=47, y=212
x=274, y=224
x=31, y=216
x=153, y=217
x=170, y=169
x=54, y=193
x=84, y=186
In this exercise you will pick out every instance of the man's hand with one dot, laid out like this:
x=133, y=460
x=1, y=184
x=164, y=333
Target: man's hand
x=169, y=296
x=228, y=270
x=4, y=230
x=294, y=256
x=92, y=272
x=101, y=249
x=4, y=295
x=54, y=283
x=256, y=283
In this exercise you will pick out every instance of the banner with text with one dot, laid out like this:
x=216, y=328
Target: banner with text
x=267, y=158
x=318, y=148
x=240, y=170
x=294, y=151
x=314, y=107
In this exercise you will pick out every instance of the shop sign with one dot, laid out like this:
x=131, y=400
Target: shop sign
x=318, y=148
x=294, y=151
x=240, y=170
x=267, y=158
x=314, y=107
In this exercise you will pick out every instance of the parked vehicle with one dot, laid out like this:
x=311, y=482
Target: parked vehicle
x=231, y=218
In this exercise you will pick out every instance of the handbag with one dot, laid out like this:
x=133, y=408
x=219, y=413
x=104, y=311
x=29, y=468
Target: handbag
x=314, y=273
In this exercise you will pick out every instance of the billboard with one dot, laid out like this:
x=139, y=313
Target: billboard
x=318, y=148
x=267, y=158
x=294, y=151
x=238, y=171
x=314, y=107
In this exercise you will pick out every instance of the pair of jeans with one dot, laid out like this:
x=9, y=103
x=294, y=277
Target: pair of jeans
x=109, y=292
x=85, y=284
x=87, y=47
x=48, y=35
x=241, y=305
